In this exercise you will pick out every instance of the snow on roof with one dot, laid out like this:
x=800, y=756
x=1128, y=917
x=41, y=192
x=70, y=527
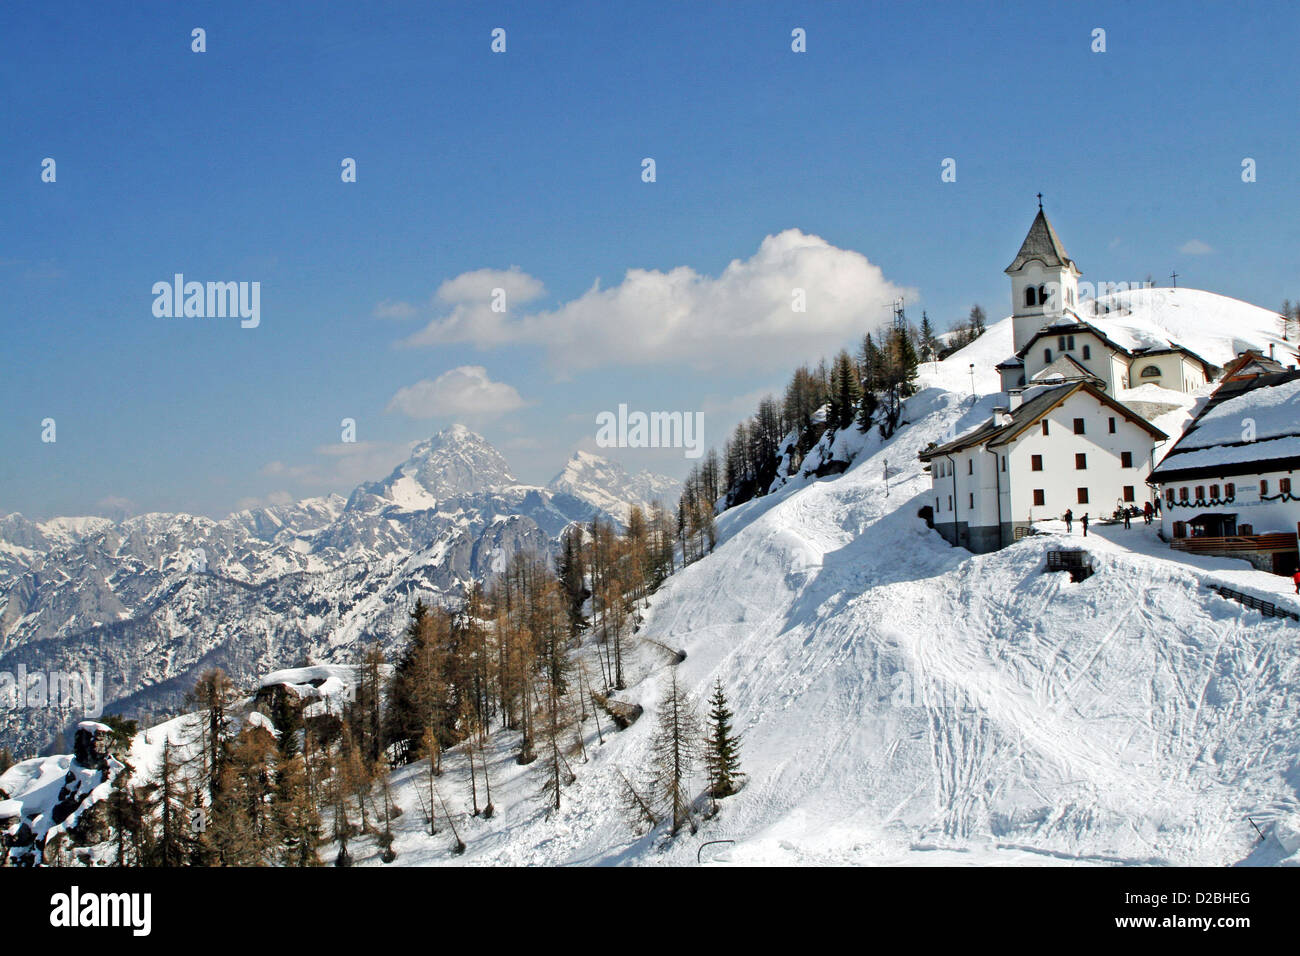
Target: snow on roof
x=94, y=727
x=1274, y=411
x=1217, y=328
x=10, y=808
x=1256, y=451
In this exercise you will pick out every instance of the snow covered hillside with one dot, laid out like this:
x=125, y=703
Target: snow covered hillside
x=904, y=701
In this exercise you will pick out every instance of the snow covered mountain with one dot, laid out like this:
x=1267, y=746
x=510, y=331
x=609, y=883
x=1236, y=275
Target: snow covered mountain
x=906, y=702
x=608, y=486
x=153, y=600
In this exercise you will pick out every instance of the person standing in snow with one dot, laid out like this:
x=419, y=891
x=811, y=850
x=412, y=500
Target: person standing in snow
x=1296, y=578
x=1084, y=522
x=1146, y=513
x=1128, y=513
x=1069, y=521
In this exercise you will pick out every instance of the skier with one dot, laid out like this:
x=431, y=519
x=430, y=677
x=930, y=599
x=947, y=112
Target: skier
x=1296, y=578
x=1069, y=521
x=1084, y=520
x=1146, y=512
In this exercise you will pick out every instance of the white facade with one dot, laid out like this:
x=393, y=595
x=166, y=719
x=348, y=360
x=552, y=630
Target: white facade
x=1030, y=285
x=1078, y=452
x=1267, y=502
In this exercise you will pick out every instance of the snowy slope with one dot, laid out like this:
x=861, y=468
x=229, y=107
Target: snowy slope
x=1215, y=327
x=906, y=702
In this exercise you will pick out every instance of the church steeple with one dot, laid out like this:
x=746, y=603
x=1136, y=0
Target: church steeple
x=1044, y=279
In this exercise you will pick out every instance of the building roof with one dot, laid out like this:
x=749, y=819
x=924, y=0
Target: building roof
x=1251, y=363
x=1217, y=442
x=1042, y=244
x=1039, y=400
x=1070, y=324
x=1067, y=368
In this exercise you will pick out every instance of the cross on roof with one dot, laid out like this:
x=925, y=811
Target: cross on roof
x=1040, y=200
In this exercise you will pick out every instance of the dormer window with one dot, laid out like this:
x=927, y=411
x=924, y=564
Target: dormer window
x=1150, y=371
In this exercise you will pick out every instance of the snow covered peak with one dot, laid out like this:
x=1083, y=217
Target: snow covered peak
x=607, y=485
x=454, y=462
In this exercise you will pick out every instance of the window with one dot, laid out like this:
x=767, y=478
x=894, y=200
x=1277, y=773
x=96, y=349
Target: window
x=1150, y=371
x=1040, y=497
x=1214, y=492
x=1182, y=494
x=1229, y=490
x=1128, y=493
x=1060, y=343
x=1200, y=492
x=1069, y=342
x=1044, y=426
x=1004, y=462
x=1030, y=296
x=972, y=499
x=1087, y=352
x=1080, y=461
x=1078, y=426
x=1169, y=495
x=1042, y=295
x=1047, y=355
x=1083, y=496
x=1263, y=488
x=1036, y=462
x=1125, y=458
x=970, y=466
x=950, y=502
x=1284, y=485
x=1111, y=425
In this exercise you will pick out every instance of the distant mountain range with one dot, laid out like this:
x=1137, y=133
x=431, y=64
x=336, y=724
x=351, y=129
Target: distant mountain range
x=153, y=600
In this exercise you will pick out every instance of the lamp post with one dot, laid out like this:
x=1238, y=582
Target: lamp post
x=972, y=383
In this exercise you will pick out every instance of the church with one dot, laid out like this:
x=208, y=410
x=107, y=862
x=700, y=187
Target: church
x=1054, y=343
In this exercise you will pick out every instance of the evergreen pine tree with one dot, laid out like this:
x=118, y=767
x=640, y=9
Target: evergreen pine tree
x=721, y=748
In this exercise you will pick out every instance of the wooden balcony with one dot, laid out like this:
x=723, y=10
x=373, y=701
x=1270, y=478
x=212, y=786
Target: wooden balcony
x=1279, y=541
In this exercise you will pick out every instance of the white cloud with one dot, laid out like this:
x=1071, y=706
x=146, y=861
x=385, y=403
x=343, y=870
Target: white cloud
x=1195, y=247
x=466, y=392
x=479, y=286
x=741, y=319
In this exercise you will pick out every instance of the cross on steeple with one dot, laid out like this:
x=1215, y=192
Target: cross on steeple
x=1040, y=201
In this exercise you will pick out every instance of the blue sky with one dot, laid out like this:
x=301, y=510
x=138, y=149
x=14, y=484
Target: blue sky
x=225, y=165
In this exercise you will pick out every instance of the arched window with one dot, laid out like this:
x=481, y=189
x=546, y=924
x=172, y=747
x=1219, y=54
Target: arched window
x=1030, y=298
x=1150, y=371
x=1042, y=295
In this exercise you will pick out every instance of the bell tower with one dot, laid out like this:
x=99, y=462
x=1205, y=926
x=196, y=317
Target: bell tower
x=1044, y=280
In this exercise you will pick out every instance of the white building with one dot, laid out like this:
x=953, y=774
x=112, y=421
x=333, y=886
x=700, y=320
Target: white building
x=1054, y=448
x=1054, y=344
x=1229, y=485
